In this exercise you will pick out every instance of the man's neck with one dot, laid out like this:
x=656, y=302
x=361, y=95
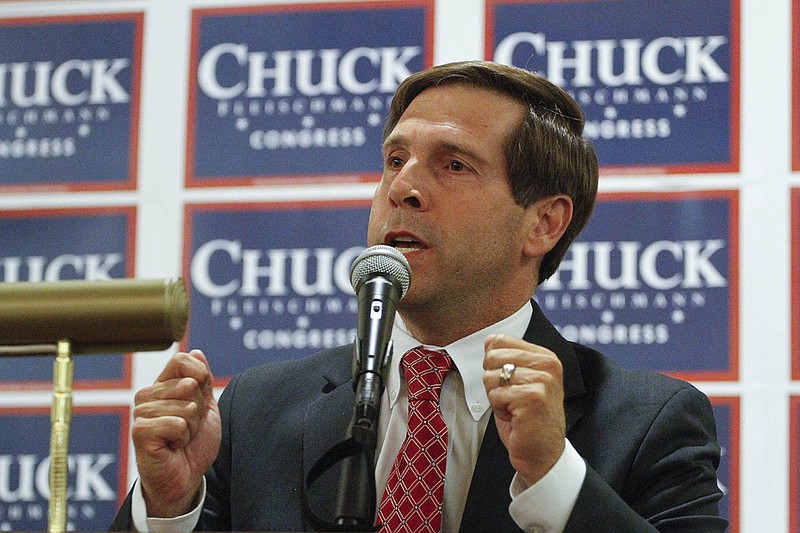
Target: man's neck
x=441, y=327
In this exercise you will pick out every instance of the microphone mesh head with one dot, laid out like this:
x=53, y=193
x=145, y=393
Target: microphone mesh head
x=381, y=259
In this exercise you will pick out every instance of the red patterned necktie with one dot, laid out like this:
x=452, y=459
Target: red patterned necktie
x=412, y=500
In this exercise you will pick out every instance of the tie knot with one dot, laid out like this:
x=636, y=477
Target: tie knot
x=425, y=371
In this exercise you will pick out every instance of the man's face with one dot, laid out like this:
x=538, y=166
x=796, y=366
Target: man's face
x=445, y=199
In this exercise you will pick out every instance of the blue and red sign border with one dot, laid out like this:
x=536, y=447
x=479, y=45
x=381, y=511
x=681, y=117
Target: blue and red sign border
x=732, y=403
x=125, y=379
x=124, y=414
x=730, y=166
x=190, y=180
x=732, y=195
x=190, y=209
x=794, y=463
x=795, y=51
x=794, y=233
x=136, y=69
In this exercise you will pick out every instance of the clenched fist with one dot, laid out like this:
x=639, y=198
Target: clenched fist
x=176, y=434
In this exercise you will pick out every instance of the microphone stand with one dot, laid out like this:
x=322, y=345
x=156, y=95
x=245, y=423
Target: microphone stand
x=380, y=277
x=355, y=506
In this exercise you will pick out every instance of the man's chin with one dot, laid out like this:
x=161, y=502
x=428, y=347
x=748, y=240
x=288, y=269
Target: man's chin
x=409, y=302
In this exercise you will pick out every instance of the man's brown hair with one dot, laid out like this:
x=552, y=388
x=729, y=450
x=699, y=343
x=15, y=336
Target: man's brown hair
x=547, y=154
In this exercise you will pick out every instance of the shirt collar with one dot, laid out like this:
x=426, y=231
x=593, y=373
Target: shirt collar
x=467, y=355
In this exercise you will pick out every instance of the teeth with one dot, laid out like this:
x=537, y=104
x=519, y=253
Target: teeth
x=405, y=245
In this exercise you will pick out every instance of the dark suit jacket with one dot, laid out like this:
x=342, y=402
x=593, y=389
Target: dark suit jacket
x=649, y=443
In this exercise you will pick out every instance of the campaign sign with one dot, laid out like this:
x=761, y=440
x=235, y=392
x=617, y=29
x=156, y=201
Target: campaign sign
x=795, y=84
x=650, y=275
x=97, y=467
x=69, y=102
x=271, y=281
x=298, y=92
x=658, y=81
x=726, y=413
x=794, y=464
x=66, y=244
x=795, y=283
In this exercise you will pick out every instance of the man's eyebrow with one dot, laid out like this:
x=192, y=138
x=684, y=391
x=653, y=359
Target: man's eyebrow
x=462, y=149
x=442, y=146
x=392, y=138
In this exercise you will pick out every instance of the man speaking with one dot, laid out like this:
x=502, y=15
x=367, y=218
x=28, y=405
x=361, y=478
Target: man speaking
x=490, y=420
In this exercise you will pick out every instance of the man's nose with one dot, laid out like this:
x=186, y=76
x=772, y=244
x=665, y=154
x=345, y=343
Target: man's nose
x=407, y=188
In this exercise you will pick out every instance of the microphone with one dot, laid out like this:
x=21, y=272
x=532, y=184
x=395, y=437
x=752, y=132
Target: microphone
x=104, y=316
x=381, y=277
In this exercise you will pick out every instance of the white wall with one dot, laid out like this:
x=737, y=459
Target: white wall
x=764, y=182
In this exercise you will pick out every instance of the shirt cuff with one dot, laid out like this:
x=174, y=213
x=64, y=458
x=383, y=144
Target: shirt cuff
x=180, y=524
x=545, y=506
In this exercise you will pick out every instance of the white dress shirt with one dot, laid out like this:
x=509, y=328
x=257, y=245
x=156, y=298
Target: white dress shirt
x=542, y=508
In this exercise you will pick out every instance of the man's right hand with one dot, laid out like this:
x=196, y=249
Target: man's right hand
x=176, y=434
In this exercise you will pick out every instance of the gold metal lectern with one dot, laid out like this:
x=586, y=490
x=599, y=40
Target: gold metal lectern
x=85, y=317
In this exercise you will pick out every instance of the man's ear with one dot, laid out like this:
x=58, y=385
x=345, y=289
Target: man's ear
x=548, y=220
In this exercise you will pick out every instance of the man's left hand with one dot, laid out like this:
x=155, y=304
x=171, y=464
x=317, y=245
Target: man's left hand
x=529, y=409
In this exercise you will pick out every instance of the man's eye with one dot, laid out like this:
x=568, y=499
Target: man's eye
x=395, y=162
x=456, y=166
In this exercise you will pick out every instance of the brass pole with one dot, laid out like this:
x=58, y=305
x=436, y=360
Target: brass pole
x=60, y=418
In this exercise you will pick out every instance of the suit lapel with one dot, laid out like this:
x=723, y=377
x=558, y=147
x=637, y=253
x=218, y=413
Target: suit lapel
x=541, y=332
x=325, y=425
x=488, y=499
